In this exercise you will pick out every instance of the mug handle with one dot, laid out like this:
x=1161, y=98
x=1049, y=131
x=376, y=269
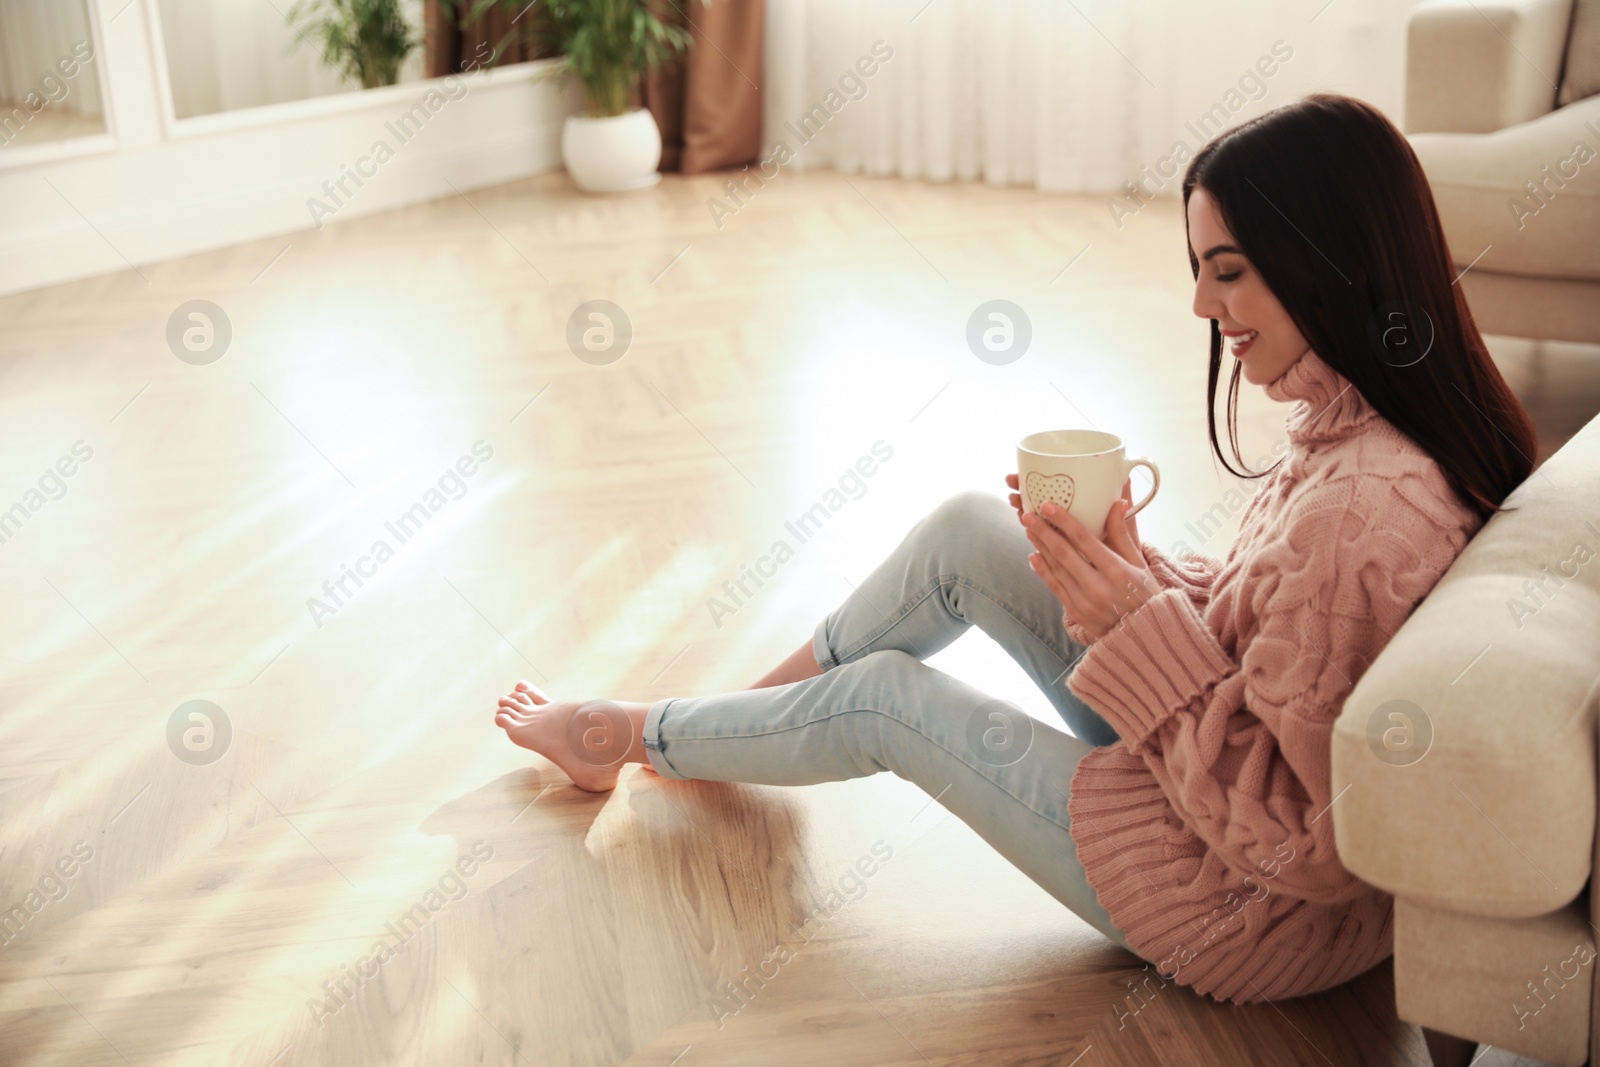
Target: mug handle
x=1155, y=482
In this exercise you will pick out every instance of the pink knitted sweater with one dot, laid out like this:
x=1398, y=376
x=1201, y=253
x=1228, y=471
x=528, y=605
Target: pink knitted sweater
x=1205, y=830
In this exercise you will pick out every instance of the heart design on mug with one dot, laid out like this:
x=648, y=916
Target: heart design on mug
x=1057, y=488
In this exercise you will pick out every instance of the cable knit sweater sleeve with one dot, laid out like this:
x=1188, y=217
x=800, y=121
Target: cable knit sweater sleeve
x=1241, y=743
x=1193, y=574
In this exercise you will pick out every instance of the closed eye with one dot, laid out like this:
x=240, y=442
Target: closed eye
x=1229, y=277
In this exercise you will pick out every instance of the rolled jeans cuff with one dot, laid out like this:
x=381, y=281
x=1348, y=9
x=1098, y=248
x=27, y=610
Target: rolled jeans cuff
x=819, y=646
x=653, y=744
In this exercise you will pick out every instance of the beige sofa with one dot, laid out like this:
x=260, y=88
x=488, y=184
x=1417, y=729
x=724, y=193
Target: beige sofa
x=1464, y=767
x=1464, y=761
x=1481, y=112
x=1464, y=772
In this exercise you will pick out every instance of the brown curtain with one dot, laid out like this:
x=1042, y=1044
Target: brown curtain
x=709, y=105
x=448, y=46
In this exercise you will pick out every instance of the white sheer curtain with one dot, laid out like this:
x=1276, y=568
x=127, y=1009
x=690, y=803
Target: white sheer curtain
x=1064, y=95
x=34, y=36
x=223, y=55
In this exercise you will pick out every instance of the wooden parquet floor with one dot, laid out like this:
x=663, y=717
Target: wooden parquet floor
x=343, y=861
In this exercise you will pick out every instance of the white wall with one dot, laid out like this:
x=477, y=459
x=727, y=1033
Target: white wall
x=154, y=187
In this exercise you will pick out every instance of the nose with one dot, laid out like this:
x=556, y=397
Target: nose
x=1206, y=304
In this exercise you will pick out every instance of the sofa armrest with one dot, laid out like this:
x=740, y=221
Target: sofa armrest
x=1475, y=66
x=1464, y=761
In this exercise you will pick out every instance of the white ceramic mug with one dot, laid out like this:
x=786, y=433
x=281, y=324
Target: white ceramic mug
x=1081, y=470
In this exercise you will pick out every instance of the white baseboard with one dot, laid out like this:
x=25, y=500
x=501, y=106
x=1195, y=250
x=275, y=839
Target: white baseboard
x=95, y=214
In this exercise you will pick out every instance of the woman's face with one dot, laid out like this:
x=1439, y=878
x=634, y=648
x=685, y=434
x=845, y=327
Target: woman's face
x=1256, y=330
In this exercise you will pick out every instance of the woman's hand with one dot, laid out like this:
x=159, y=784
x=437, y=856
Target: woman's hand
x=1098, y=582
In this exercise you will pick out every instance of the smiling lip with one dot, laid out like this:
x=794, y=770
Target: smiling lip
x=1240, y=347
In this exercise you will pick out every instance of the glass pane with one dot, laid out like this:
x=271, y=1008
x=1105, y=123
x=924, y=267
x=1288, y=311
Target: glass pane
x=49, y=87
x=223, y=55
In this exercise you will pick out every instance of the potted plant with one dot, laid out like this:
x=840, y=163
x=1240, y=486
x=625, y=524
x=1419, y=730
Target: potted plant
x=607, y=45
x=365, y=40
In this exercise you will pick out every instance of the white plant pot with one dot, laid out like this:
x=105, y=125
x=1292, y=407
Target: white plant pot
x=612, y=154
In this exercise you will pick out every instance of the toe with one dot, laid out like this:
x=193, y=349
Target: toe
x=532, y=691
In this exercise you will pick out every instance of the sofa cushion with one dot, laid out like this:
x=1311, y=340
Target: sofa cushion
x=1473, y=66
x=1556, y=309
x=1464, y=758
x=1482, y=181
x=1580, y=73
x=1522, y=985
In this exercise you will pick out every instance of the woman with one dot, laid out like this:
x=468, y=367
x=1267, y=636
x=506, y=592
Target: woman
x=1185, y=818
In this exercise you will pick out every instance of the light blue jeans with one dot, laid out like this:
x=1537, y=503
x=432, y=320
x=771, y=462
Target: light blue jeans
x=878, y=707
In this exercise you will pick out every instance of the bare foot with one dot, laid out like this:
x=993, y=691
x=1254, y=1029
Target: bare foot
x=588, y=739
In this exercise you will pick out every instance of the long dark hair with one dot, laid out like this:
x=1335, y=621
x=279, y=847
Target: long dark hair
x=1327, y=200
